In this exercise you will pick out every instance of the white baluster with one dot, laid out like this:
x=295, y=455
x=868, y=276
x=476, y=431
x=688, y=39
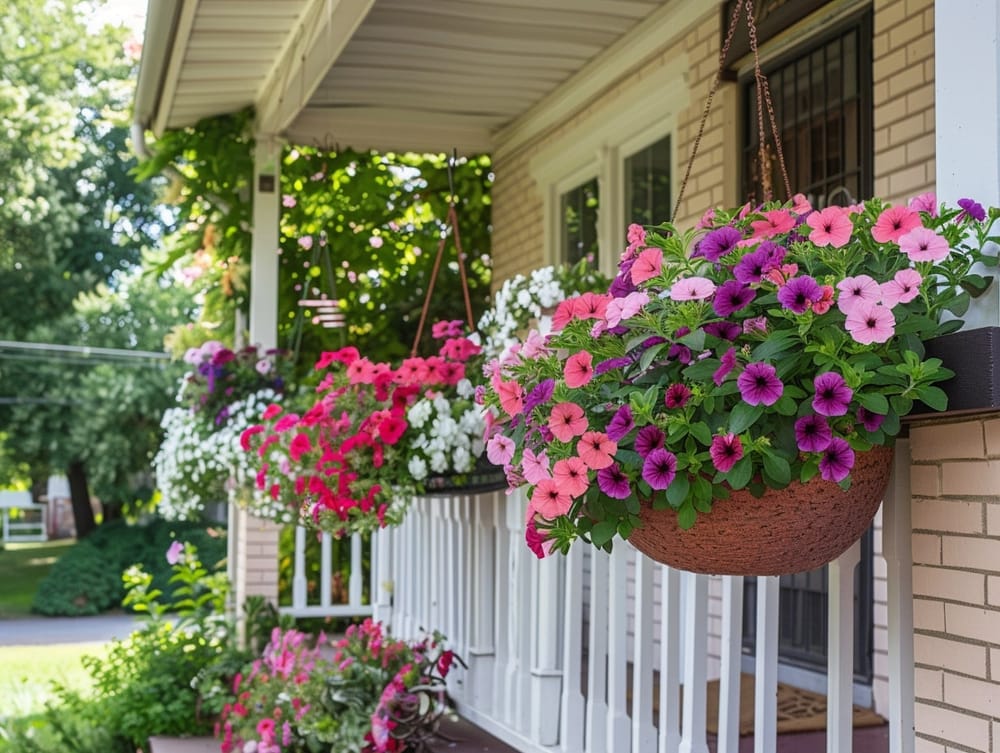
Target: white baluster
x=840, y=652
x=502, y=607
x=765, y=731
x=546, y=676
x=325, y=570
x=383, y=585
x=694, y=738
x=525, y=628
x=300, y=585
x=670, y=660
x=356, y=581
x=897, y=546
x=643, y=731
x=619, y=728
x=597, y=653
x=481, y=654
x=732, y=650
x=573, y=702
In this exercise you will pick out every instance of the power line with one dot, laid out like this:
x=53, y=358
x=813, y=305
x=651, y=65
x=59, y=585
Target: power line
x=80, y=353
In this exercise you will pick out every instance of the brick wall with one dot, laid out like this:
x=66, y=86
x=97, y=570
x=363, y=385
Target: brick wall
x=955, y=481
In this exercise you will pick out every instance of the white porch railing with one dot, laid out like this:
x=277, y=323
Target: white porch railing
x=549, y=670
x=323, y=602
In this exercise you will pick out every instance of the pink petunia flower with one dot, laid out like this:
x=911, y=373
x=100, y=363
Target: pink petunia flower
x=596, y=450
x=855, y=290
x=902, y=288
x=567, y=420
x=622, y=309
x=923, y=244
x=511, y=397
x=830, y=227
x=647, y=265
x=571, y=475
x=775, y=222
x=500, y=449
x=894, y=223
x=726, y=450
x=550, y=499
x=925, y=202
x=800, y=204
x=579, y=369
x=535, y=468
x=870, y=323
x=692, y=289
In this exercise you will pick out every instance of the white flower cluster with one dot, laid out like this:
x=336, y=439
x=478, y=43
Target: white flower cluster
x=522, y=301
x=199, y=464
x=449, y=434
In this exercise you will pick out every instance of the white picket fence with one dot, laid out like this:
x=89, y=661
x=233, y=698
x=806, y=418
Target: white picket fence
x=590, y=652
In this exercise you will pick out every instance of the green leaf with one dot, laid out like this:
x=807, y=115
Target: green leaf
x=686, y=516
x=775, y=345
x=902, y=405
x=701, y=432
x=678, y=490
x=777, y=468
x=873, y=401
x=649, y=355
x=739, y=475
x=603, y=532
x=694, y=340
x=744, y=416
x=933, y=397
x=786, y=406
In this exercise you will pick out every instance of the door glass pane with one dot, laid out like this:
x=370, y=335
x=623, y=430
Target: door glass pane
x=578, y=212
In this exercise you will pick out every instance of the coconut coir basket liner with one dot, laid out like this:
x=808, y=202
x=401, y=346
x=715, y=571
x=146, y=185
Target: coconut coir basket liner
x=784, y=531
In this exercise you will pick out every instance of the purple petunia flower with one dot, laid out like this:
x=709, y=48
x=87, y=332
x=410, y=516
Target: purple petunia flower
x=837, y=460
x=833, y=396
x=871, y=421
x=751, y=268
x=726, y=450
x=681, y=352
x=717, y=243
x=723, y=330
x=622, y=285
x=647, y=439
x=731, y=297
x=677, y=396
x=812, y=433
x=611, y=364
x=613, y=482
x=971, y=208
x=754, y=324
x=659, y=469
x=649, y=342
x=621, y=423
x=728, y=363
x=539, y=395
x=799, y=293
x=759, y=384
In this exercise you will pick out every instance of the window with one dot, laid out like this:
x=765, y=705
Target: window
x=578, y=223
x=647, y=184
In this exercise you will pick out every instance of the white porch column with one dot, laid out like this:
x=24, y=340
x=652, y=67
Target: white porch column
x=256, y=541
x=967, y=116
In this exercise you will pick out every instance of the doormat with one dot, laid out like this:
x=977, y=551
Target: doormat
x=798, y=710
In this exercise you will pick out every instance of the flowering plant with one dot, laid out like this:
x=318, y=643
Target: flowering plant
x=351, y=695
x=767, y=345
x=221, y=376
x=344, y=462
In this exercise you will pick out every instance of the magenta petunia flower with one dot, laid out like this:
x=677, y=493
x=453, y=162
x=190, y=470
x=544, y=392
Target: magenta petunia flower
x=718, y=243
x=812, y=433
x=174, y=552
x=647, y=439
x=659, y=469
x=759, y=384
x=613, y=482
x=902, y=288
x=833, y=396
x=798, y=294
x=754, y=324
x=541, y=394
x=837, y=460
x=923, y=244
x=871, y=421
x=970, y=208
x=855, y=290
x=894, y=223
x=621, y=423
x=830, y=227
x=692, y=289
x=726, y=451
x=677, y=396
x=723, y=330
x=870, y=323
x=728, y=363
x=752, y=267
x=732, y=296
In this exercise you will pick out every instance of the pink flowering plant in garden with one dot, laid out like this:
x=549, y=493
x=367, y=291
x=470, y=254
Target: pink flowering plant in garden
x=343, y=461
x=764, y=346
x=364, y=693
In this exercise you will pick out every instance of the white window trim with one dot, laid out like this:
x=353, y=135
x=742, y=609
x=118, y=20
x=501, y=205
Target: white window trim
x=597, y=145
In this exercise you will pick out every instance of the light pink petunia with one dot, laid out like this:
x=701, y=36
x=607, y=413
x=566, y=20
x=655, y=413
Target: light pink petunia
x=902, y=288
x=622, y=309
x=647, y=265
x=870, y=323
x=925, y=202
x=775, y=222
x=571, y=475
x=692, y=289
x=894, y=223
x=579, y=369
x=830, y=227
x=596, y=450
x=550, y=500
x=855, y=290
x=800, y=204
x=567, y=420
x=923, y=244
x=500, y=449
x=535, y=468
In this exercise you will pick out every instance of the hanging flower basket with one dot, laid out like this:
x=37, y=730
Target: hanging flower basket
x=483, y=477
x=782, y=531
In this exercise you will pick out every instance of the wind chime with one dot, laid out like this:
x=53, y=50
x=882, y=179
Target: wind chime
x=318, y=302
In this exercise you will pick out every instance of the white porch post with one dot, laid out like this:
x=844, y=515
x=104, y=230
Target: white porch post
x=967, y=116
x=255, y=568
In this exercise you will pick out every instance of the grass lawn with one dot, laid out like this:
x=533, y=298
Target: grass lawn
x=27, y=674
x=22, y=567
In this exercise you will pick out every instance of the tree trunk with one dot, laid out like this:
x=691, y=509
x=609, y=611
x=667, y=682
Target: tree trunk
x=79, y=492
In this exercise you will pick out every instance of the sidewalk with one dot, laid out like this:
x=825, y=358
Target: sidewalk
x=36, y=631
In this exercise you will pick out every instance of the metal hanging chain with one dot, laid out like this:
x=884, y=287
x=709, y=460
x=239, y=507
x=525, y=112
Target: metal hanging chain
x=453, y=221
x=762, y=89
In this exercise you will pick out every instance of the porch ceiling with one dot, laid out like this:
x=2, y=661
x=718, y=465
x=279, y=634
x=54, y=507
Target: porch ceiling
x=422, y=75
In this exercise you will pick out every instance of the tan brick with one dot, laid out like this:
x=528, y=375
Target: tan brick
x=953, y=725
x=970, y=552
x=925, y=480
x=910, y=29
x=892, y=159
x=920, y=98
x=991, y=432
x=923, y=745
x=954, y=516
x=956, y=656
x=920, y=49
x=993, y=590
x=891, y=63
x=977, y=623
x=963, y=440
x=928, y=615
x=889, y=16
x=928, y=684
x=951, y=585
x=993, y=518
x=971, y=478
x=995, y=666
x=904, y=183
x=921, y=148
x=970, y=693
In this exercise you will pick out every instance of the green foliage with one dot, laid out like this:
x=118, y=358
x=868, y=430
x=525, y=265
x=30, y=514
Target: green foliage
x=80, y=583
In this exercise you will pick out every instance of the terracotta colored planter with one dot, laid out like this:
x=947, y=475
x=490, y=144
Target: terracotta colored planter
x=784, y=531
